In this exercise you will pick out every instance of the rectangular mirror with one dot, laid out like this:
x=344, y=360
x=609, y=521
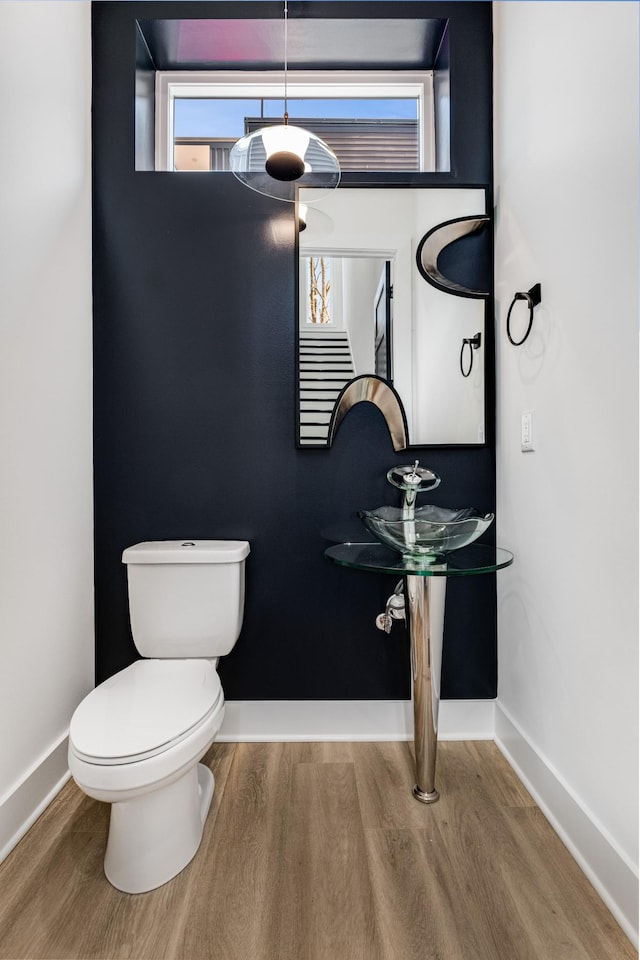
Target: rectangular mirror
x=388, y=286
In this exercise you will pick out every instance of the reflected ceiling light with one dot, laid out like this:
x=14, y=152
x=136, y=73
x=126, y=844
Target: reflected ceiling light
x=313, y=219
x=276, y=159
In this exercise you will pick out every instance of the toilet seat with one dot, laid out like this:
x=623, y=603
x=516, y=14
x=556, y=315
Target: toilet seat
x=143, y=711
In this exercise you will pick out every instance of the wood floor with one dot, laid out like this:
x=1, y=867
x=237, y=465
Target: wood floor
x=319, y=852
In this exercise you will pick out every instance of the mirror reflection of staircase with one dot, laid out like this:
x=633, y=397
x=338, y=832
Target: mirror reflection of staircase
x=325, y=366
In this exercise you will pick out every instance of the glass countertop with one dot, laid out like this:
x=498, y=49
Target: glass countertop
x=471, y=560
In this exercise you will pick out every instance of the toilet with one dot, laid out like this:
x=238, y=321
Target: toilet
x=135, y=741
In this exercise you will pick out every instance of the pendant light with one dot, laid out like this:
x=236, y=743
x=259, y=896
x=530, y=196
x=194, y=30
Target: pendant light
x=274, y=160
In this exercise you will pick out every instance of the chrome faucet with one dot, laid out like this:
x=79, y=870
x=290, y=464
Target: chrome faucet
x=412, y=480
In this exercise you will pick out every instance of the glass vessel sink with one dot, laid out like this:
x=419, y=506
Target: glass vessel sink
x=428, y=533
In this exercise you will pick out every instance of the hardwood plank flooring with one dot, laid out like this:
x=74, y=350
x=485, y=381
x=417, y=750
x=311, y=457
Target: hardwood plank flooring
x=318, y=851
x=326, y=906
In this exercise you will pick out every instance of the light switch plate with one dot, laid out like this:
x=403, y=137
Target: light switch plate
x=526, y=437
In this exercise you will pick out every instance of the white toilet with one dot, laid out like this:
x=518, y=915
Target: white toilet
x=135, y=741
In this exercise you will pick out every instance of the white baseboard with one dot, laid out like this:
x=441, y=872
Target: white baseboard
x=23, y=804
x=282, y=720
x=607, y=867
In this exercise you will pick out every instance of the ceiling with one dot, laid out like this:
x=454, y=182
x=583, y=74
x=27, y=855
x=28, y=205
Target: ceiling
x=313, y=44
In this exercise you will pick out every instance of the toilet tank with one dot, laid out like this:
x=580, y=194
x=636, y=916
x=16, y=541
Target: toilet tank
x=186, y=597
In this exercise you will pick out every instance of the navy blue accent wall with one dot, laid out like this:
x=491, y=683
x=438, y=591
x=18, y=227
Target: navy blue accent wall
x=195, y=325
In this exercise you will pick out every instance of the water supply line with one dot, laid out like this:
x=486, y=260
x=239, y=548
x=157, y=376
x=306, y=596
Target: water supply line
x=394, y=609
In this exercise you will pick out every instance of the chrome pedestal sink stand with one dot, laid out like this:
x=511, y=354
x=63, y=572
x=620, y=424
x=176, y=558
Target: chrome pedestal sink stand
x=425, y=584
x=425, y=589
x=426, y=596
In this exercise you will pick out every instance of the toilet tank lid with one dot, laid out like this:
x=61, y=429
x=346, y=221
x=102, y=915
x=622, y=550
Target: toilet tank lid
x=187, y=551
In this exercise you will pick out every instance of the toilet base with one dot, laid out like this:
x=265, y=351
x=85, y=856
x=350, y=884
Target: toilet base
x=154, y=836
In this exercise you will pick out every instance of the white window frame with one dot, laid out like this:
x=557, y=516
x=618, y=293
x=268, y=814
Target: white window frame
x=264, y=84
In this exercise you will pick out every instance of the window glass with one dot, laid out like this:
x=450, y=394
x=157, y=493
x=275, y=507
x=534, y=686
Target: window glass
x=364, y=133
x=319, y=290
x=204, y=117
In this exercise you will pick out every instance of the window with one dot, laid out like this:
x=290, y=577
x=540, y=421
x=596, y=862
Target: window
x=319, y=290
x=372, y=121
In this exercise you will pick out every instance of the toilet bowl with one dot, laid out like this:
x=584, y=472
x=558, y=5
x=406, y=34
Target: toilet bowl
x=135, y=741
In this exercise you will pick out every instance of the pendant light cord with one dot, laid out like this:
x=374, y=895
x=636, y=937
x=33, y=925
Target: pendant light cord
x=286, y=37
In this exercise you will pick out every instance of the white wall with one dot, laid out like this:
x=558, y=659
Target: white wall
x=360, y=284
x=46, y=556
x=566, y=126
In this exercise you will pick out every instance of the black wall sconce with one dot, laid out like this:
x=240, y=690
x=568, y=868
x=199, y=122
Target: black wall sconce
x=533, y=298
x=473, y=343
